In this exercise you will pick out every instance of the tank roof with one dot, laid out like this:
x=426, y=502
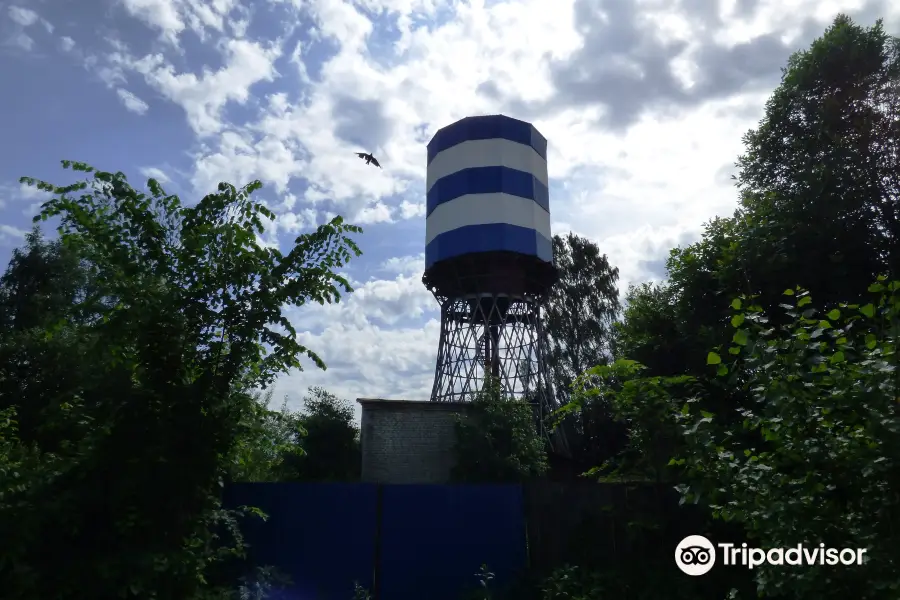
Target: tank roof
x=487, y=127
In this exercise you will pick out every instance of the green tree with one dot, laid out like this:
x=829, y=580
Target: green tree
x=646, y=406
x=579, y=327
x=193, y=323
x=497, y=440
x=581, y=311
x=824, y=466
x=813, y=456
x=820, y=177
x=331, y=441
x=269, y=442
x=816, y=168
x=649, y=331
x=47, y=287
x=818, y=184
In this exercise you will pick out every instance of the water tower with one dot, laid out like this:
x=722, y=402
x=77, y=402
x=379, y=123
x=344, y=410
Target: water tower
x=489, y=257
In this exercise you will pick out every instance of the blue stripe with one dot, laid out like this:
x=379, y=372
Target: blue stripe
x=486, y=128
x=496, y=237
x=487, y=180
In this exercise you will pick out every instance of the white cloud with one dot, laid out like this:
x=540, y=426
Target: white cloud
x=172, y=17
x=368, y=362
x=23, y=16
x=155, y=173
x=636, y=149
x=22, y=194
x=30, y=192
x=240, y=160
x=297, y=222
x=159, y=14
x=66, y=43
x=132, y=102
x=379, y=302
x=410, y=210
x=10, y=234
x=380, y=341
x=405, y=265
x=21, y=40
x=203, y=97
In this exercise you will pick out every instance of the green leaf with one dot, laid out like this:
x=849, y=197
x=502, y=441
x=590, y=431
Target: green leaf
x=740, y=337
x=868, y=310
x=834, y=314
x=734, y=350
x=722, y=370
x=804, y=301
x=837, y=357
x=871, y=341
x=737, y=320
x=736, y=304
x=876, y=287
x=788, y=292
x=713, y=359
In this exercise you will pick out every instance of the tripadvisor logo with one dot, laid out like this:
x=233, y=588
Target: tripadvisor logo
x=696, y=555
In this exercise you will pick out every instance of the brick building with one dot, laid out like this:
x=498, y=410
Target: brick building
x=407, y=441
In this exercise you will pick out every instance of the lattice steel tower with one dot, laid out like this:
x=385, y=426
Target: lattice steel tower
x=489, y=258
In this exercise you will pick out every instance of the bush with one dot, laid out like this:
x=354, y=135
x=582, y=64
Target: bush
x=497, y=440
x=815, y=459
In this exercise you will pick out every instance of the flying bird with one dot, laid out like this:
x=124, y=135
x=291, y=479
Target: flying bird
x=368, y=158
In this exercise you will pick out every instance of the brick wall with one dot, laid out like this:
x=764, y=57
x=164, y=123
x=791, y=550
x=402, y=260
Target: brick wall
x=407, y=441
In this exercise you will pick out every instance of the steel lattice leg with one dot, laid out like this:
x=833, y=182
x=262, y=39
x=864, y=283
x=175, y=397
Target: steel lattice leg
x=493, y=336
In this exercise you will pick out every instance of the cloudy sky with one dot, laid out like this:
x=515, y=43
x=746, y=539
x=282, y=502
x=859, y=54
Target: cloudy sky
x=644, y=104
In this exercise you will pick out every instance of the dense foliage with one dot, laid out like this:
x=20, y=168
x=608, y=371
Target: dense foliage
x=823, y=463
x=762, y=376
x=269, y=442
x=581, y=311
x=130, y=348
x=318, y=442
x=497, y=440
x=579, y=326
x=331, y=450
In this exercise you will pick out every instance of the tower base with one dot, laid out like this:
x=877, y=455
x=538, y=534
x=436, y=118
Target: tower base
x=494, y=337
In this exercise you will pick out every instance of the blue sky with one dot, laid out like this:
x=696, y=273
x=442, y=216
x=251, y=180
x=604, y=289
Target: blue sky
x=643, y=103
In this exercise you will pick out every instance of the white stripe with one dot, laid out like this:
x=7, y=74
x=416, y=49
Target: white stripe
x=486, y=209
x=486, y=153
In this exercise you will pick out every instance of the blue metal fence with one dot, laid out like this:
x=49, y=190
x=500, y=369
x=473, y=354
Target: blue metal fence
x=435, y=538
x=409, y=542
x=321, y=535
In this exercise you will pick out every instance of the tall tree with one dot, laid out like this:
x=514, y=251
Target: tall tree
x=330, y=441
x=649, y=332
x=43, y=282
x=269, y=442
x=196, y=322
x=47, y=288
x=819, y=187
x=820, y=178
x=579, y=328
x=583, y=306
